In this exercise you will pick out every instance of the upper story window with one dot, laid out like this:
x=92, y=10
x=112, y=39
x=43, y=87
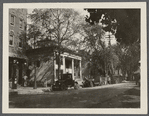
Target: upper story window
x=12, y=20
x=21, y=23
x=11, y=38
x=20, y=42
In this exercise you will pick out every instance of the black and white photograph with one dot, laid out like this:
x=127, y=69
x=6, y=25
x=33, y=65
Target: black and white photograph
x=84, y=58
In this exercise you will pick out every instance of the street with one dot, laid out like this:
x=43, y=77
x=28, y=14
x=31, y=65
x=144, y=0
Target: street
x=122, y=95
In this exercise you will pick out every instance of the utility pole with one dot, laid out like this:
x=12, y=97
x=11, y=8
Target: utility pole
x=109, y=40
x=109, y=46
x=112, y=68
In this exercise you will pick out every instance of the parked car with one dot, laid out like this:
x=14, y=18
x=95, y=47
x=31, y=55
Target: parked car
x=96, y=81
x=65, y=82
x=88, y=82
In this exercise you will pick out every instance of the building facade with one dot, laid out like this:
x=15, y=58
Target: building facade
x=46, y=68
x=17, y=43
x=71, y=64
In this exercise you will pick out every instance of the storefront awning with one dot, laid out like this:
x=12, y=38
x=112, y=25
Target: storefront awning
x=14, y=55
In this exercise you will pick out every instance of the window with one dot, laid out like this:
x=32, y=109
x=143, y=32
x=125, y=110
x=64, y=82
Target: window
x=11, y=38
x=78, y=73
x=68, y=63
x=30, y=63
x=21, y=23
x=20, y=42
x=12, y=20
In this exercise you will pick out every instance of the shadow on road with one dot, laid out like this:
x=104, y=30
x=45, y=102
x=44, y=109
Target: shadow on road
x=131, y=98
x=113, y=96
x=128, y=99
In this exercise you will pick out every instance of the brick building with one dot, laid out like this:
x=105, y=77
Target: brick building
x=17, y=42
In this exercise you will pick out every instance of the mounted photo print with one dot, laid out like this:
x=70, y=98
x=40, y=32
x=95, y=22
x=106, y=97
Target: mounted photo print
x=75, y=58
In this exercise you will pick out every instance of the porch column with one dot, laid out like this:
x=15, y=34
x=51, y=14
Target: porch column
x=80, y=70
x=64, y=70
x=73, y=69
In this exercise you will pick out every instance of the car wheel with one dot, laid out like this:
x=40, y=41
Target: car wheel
x=51, y=88
x=63, y=87
x=76, y=86
x=66, y=88
x=91, y=84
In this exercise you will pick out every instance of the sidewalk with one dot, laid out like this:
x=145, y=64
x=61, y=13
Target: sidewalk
x=29, y=90
x=46, y=90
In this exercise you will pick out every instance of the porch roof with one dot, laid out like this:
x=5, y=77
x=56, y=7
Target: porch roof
x=47, y=51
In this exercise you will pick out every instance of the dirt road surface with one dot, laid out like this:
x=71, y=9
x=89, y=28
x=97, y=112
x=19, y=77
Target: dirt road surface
x=123, y=95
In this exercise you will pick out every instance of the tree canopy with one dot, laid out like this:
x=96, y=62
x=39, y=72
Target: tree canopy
x=126, y=22
x=125, y=25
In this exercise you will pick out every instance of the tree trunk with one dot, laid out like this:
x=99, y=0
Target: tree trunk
x=58, y=64
x=59, y=52
x=35, y=85
x=53, y=68
x=129, y=76
x=59, y=48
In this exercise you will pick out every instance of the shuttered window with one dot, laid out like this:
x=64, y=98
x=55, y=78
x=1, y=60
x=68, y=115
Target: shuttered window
x=12, y=20
x=11, y=38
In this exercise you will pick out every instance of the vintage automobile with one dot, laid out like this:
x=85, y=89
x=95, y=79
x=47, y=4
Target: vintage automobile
x=88, y=82
x=96, y=81
x=65, y=82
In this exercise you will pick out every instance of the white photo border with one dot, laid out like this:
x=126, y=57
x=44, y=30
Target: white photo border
x=115, y=5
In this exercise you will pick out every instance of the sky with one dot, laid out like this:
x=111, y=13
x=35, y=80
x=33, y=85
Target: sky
x=81, y=11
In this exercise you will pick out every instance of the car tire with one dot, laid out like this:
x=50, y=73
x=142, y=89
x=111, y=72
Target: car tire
x=76, y=86
x=66, y=88
x=91, y=84
x=51, y=88
x=63, y=87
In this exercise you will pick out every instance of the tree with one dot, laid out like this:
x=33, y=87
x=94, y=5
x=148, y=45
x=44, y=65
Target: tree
x=93, y=35
x=126, y=22
x=56, y=25
x=93, y=45
x=129, y=57
x=33, y=32
x=104, y=59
